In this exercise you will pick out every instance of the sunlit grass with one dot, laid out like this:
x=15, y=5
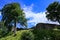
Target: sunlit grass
x=11, y=37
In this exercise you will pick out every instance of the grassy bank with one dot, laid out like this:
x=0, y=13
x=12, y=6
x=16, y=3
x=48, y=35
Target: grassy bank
x=42, y=34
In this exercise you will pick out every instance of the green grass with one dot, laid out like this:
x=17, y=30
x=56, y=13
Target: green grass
x=11, y=37
x=38, y=34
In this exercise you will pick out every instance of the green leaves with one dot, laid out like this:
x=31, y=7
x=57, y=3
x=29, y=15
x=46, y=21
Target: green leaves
x=13, y=13
x=53, y=12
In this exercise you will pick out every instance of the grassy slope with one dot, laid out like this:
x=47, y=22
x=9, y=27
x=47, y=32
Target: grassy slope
x=38, y=33
x=11, y=37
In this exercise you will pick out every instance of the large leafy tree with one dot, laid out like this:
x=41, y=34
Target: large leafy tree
x=13, y=14
x=53, y=12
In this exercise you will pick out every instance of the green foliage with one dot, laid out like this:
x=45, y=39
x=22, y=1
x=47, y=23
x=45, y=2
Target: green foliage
x=19, y=35
x=44, y=34
x=53, y=12
x=27, y=35
x=58, y=27
x=3, y=32
x=12, y=13
x=57, y=34
x=3, y=29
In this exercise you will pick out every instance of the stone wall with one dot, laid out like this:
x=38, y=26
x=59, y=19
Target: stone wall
x=46, y=26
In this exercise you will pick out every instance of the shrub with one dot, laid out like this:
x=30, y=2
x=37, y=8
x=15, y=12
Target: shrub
x=43, y=34
x=3, y=31
x=27, y=35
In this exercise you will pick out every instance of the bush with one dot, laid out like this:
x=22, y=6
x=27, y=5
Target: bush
x=44, y=34
x=27, y=35
x=3, y=31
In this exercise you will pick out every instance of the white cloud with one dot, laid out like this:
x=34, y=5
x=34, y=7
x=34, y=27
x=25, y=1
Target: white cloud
x=0, y=13
x=37, y=17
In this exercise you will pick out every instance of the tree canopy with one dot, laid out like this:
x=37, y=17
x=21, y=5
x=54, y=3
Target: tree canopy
x=53, y=12
x=13, y=14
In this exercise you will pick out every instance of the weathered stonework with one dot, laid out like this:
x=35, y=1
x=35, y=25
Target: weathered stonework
x=46, y=26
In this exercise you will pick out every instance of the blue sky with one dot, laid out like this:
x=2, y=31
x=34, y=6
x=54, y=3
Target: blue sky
x=39, y=5
x=33, y=9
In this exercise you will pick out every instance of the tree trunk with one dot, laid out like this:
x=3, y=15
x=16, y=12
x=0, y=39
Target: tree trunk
x=15, y=29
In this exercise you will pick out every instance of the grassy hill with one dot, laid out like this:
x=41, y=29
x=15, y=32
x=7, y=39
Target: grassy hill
x=42, y=34
x=12, y=37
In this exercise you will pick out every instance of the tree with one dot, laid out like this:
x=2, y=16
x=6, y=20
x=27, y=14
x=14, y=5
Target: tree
x=13, y=14
x=3, y=29
x=53, y=12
